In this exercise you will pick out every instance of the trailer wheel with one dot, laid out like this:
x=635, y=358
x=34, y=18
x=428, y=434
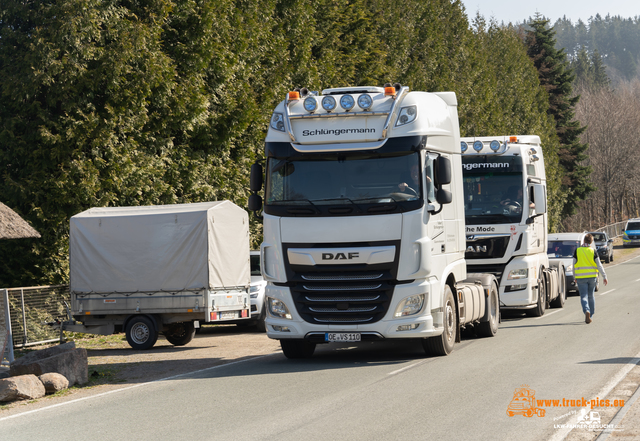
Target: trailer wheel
x=490, y=327
x=141, y=334
x=179, y=334
x=541, y=306
x=443, y=344
x=562, y=290
x=293, y=349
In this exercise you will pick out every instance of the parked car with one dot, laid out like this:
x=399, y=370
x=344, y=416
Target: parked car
x=256, y=291
x=631, y=234
x=560, y=249
x=604, y=245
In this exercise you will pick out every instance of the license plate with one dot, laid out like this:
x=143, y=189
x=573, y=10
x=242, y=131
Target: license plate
x=227, y=315
x=342, y=336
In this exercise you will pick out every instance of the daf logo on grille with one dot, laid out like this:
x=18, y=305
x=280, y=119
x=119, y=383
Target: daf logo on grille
x=340, y=256
x=476, y=249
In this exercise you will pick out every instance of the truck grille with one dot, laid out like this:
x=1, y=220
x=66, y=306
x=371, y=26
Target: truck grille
x=486, y=248
x=347, y=294
x=332, y=299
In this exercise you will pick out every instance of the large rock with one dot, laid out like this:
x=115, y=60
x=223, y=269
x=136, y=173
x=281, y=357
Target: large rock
x=63, y=359
x=23, y=387
x=54, y=382
x=34, y=356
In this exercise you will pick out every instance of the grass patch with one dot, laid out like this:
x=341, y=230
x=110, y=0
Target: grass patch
x=103, y=375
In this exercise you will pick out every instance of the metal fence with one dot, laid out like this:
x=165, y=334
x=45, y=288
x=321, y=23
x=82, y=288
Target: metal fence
x=29, y=310
x=614, y=230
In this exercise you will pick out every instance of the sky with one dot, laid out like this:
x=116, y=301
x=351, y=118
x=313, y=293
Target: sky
x=518, y=10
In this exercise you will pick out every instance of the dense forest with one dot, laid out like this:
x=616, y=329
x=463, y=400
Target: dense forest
x=605, y=56
x=137, y=102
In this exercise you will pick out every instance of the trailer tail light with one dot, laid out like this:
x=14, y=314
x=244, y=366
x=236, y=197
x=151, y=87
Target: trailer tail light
x=245, y=313
x=213, y=316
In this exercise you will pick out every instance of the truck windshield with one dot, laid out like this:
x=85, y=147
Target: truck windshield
x=493, y=190
x=343, y=180
x=562, y=248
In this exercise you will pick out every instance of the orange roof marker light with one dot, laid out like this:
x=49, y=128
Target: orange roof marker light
x=513, y=139
x=390, y=91
x=294, y=95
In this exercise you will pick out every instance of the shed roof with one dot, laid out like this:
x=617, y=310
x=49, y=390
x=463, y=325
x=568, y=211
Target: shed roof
x=12, y=226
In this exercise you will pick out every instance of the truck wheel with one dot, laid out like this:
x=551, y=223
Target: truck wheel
x=443, y=344
x=293, y=349
x=538, y=311
x=562, y=290
x=179, y=334
x=141, y=333
x=490, y=327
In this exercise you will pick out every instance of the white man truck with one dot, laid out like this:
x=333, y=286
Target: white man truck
x=505, y=202
x=364, y=222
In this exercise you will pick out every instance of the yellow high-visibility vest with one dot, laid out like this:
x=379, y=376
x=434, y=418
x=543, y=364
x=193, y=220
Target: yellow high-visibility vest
x=585, y=266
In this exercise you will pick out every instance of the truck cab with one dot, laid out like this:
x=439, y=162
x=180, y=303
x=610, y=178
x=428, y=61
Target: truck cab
x=506, y=220
x=364, y=221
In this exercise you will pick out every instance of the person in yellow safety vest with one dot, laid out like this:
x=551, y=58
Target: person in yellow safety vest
x=585, y=268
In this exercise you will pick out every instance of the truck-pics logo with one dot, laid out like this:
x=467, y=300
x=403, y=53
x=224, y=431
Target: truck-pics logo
x=524, y=403
x=337, y=132
x=340, y=256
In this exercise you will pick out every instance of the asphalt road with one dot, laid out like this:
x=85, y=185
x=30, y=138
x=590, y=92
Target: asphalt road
x=376, y=391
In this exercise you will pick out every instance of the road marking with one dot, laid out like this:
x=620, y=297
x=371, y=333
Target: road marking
x=619, y=416
x=562, y=433
x=136, y=385
x=402, y=369
x=607, y=292
x=547, y=315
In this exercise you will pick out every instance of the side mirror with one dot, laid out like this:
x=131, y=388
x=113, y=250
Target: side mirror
x=255, y=179
x=443, y=196
x=442, y=171
x=255, y=202
x=540, y=198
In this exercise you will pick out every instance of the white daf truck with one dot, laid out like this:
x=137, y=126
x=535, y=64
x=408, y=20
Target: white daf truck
x=364, y=222
x=505, y=203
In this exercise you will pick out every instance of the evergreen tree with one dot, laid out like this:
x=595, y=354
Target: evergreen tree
x=556, y=76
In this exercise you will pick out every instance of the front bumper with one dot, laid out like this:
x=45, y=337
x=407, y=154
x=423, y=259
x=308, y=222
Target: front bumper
x=630, y=242
x=427, y=323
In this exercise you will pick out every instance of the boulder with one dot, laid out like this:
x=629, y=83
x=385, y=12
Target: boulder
x=69, y=361
x=54, y=382
x=23, y=387
x=34, y=356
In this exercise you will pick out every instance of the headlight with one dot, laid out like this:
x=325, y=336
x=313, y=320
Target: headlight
x=347, y=102
x=410, y=306
x=277, y=122
x=328, y=103
x=278, y=308
x=407, y=115
x=310, y=104
x=518, y=274
x=569, y=270
x=365, y=101
x=254, y=288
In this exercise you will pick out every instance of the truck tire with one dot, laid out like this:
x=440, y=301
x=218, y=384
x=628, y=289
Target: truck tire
x=141, y=333
x=294, y=349
x=179, y=334
x=541, y=306
x=562, y=290
x=490, y=327
x=443, y=344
